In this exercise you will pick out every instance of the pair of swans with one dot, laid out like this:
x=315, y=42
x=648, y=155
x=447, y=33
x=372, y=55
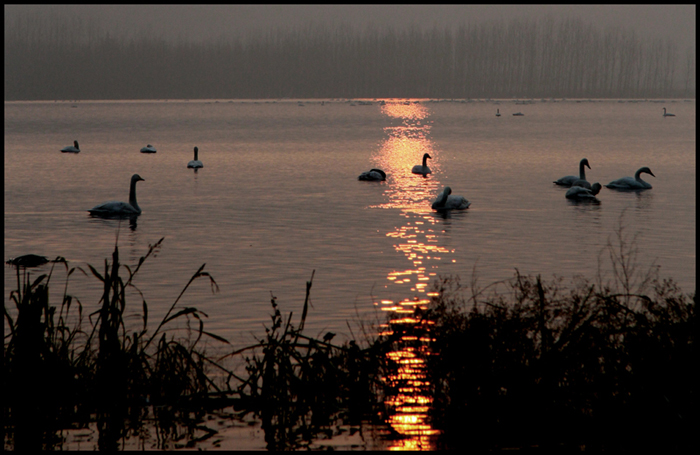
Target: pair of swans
x=379, y=175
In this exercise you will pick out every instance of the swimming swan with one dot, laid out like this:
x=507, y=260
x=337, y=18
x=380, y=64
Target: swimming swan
x=115, y=208
x=629, y=183
x=446, y=201
x=498, y=113
x=579, y=193
x=570, y=179
x=372, y=175
x=148, y=149
x=75, y=148
x=195, y=163
x=668, y=115
x=424, y=169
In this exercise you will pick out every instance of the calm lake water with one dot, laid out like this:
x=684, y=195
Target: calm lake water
x=279, y=197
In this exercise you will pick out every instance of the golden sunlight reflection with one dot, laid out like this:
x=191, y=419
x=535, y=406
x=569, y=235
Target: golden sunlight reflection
x=418, y=240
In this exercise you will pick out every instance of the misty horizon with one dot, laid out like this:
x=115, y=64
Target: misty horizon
x=48, y=58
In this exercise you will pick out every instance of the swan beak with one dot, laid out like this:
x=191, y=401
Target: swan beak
x=652, y=174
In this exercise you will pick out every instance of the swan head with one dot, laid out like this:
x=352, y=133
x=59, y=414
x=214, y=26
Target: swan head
x=137, y=178
x=595, y=188
x=646, y=170
x=425, y=155
x=584, y=162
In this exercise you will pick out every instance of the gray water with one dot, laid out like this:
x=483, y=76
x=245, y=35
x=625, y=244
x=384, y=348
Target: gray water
x=278, y=198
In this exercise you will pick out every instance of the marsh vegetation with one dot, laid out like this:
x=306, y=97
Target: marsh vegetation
x=525, y=363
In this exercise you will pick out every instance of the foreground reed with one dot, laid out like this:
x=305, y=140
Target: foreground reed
x=609, y=366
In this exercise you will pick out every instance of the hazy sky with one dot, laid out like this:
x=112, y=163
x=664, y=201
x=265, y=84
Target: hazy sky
x=211, y=21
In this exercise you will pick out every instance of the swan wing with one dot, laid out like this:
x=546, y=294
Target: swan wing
x=114, y=208
x=456, y=202
x=567, y=180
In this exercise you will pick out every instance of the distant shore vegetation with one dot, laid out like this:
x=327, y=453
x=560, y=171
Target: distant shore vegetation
x=50, y=59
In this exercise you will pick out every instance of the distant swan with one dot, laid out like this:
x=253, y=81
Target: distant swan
x=498, y=113
x=75, y=148
x=373, y=175
x=446, y=201
x=424, y=169
x=668, y=115
x=148, y=149
x=115, y=208
x=579, y=193
x=629, y=183
x=195, y=163
x=570, y=179
x=518, y=114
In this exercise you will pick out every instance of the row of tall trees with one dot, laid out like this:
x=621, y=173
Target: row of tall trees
x=543, y=58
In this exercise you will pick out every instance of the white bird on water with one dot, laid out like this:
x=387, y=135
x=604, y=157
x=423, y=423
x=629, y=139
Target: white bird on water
x=373, y=175
x=422, y=169
x=447, y=201
x=195, y=163
x=629, y=183
x=579, y=193
x=148, y=149
x=75, y=148
x=116, y=208
x=668, y=115
x=570, y=179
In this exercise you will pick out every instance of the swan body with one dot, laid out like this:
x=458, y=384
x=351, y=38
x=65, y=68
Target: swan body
x=570, y=179
x=629, y=183
x=75, y=148
x=668, y=115
x=148, y=149
x=195, y=163
x=373, y=175
x=581, y=183
x=422, y=169
x=518, y=114
x=116, y=208
x=447, y=201
x=579, y=193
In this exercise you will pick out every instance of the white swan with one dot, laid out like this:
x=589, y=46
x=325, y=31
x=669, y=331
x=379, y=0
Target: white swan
x=422, y=169
x=629, y=183
x=373, y=175
x=570, y=179
x=148, y=149
x=668, y=115
x=75, y=148
x=579, y=193
x=116, y=208
x=195, y=163
x=446, y=201
x=498, y=113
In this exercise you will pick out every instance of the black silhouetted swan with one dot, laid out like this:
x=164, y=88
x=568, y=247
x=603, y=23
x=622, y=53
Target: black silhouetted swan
x=373, y=175
x=148, y=149
x=422, y=169
x=582, y=183
x=570, y=179
x=195, y=163
x=518, y=114
x=75, y=148
x=498, y=113
x=579, y=193
x=446, y=201
x=668, y=115
x=629, y=183
x=116, y=208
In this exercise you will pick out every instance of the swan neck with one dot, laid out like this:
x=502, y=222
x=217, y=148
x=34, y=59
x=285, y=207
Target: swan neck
x=582, y=171
x=425, y=160
x=196, y=153
x=132, y=195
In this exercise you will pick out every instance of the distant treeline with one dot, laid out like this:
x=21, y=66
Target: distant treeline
x=69, y=59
